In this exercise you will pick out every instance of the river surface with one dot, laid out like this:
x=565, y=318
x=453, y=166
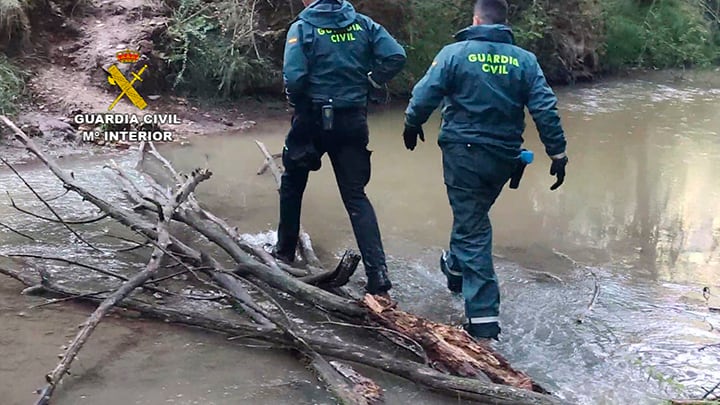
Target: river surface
x=639, y=215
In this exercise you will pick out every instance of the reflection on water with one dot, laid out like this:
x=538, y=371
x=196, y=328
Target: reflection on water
x=640, y=208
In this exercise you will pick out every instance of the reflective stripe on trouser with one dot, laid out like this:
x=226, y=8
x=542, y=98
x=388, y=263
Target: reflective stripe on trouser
x=471, y=254
x=474, y=178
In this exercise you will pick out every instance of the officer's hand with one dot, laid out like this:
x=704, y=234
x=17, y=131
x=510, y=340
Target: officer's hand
x=410, y=136
x=289, y=99
x=558, y=169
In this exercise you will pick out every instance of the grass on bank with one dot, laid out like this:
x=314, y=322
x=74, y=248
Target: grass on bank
x=214, y=49
x=661, y=34
x=14, y=22
x=12, y=86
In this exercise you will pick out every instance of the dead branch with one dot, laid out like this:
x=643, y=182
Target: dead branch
x=59, y=196
x=54, y=378
x=70, y=262
x=449, y=348
x=364, y=385
x=596, y=294
x=37, y=195
x=53, y=220
x=15, y=231
x=150, y=148
x=274, y=169
x=307, y=251
x=347, y=384
x=338, y=277
x=545, y=274
x=709, y=346
x=457, y=387
x=417, y=348
x=132, y=248
x=104, y=272
x=66, y=299
x=712, y=391
x=266, y=165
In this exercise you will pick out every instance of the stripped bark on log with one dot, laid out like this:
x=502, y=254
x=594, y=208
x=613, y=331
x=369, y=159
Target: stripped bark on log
x=450, y=349
x=348, y=385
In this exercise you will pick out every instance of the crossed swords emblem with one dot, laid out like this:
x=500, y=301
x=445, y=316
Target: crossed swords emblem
x=116, y=78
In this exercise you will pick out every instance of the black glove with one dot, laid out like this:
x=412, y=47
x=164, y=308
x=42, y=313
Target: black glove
x=410, y=136
x=558, y=169
x=379, y=93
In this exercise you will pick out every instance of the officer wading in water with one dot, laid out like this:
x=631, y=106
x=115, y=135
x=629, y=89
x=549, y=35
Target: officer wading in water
x=333, y=56
x=484, y=82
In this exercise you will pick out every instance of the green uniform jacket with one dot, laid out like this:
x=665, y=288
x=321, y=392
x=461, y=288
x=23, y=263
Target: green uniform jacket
x=485, y=81
x=331, y=49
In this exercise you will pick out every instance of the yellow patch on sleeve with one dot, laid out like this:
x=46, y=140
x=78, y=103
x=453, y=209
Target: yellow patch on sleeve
x=292, y=40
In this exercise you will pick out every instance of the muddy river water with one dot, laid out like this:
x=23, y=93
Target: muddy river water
x=640, y=210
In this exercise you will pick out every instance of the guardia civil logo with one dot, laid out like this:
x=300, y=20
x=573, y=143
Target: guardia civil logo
x=118, y=127
x=116, y=78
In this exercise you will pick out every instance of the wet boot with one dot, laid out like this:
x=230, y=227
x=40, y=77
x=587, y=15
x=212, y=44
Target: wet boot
x=281, y=256
x=378, y=283
x=483, y=332
x=454, y=279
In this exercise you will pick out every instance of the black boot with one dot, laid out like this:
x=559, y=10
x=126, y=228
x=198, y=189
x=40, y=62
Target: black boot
x=378, y=283
x=454, y=279
x=281, y=256
x=489, y=331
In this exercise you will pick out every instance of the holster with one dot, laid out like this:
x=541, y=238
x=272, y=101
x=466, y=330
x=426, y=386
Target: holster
x=526, y=157
x=517, y=174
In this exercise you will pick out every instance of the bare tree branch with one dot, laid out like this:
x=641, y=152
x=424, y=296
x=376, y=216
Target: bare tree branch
x=15, y=231
x=77, y=235
x=53, y=220
x=128, y=287
x=596, y=294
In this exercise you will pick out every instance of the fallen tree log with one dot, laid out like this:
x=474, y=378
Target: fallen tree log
x=453, y=386
x=450, y=349
x=348, y=391
x=462, y=375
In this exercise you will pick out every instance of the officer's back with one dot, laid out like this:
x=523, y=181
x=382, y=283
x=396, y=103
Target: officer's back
x=486, y=81
x=330, y=51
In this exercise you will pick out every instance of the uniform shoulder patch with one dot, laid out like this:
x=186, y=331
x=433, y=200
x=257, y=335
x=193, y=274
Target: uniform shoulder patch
x=292, y=40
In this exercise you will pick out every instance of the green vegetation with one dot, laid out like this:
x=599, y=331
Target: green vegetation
x=431, y=26
x=661, y=34
x=213, y=49
x=14, y=25
x=575, y=39
x=12, y=84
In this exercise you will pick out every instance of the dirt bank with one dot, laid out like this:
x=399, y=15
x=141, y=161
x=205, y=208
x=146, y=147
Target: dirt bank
x=68, y=62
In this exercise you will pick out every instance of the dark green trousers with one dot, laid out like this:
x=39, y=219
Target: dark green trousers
x=474, y=177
